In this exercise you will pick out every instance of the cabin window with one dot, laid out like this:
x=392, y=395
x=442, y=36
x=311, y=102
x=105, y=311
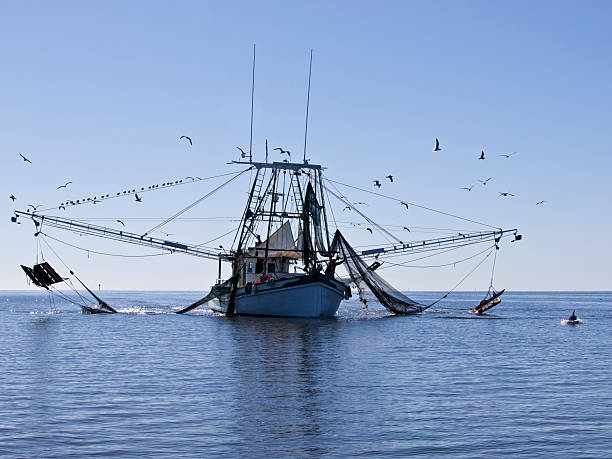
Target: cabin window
x=271, y=268
x=250, y=267
x=259, y=267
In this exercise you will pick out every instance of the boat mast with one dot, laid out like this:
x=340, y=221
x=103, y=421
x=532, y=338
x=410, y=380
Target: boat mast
x=272, y=211
x=307, y=105
x=320, y=180
x=252, y=98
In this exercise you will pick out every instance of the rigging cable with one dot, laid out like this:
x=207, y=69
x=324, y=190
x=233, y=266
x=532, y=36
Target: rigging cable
x=384, y=231
x=107, y=196
x=67, y=280
x=404, y=265
x=461, y=281
x=170, y=252
x=218, y=237
x=493, y=270
x=413, y=204
x=192, y=205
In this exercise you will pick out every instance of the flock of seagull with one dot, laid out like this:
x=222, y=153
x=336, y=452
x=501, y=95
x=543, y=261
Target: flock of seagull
x=96, y=199
x=243, y=154
x=481, y=156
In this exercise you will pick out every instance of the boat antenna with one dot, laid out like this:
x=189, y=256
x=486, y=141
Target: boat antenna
x=252, y=98
x=307, y=105
x=266, y=151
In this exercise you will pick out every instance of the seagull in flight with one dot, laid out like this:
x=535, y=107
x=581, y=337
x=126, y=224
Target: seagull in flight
x=484, y=182
x=12, y=197
x=243, y=154
x=406, y=228
x=437, y=147
x=34, y=207
x=482, y=155
x=62, y=207
x=282, y=152
x=469, y=188
x=404, y=204
x=360, y=203
x=376, y=183
x=540, y=202
x=120, y=222
x=64, y=186
x=505, y=193
x=185, y=137
x=25, y=159
x=508, y=156
x=138, y=198
x=370, y=230
x=347, y=207
x=390, y=177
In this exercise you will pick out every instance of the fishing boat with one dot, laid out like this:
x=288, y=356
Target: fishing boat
x=285, y=254
x=572, y=320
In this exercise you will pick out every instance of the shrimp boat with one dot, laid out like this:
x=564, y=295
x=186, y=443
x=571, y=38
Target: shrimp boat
x=263, y=283
x=284, y=256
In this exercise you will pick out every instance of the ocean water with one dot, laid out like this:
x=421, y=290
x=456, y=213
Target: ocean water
x=149, y=383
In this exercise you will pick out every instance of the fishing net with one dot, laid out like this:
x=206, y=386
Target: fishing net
x=364, y=278
x=221, y=291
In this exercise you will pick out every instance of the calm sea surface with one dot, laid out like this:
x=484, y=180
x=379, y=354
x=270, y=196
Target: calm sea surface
x=149, y=383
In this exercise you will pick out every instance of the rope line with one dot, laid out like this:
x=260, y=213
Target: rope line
x=413, y=204
x=462, y=280
x=105, y=253
x=437, y=266
x=132, y=191
x=192, y=205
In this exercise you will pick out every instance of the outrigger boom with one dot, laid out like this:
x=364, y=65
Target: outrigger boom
x=123, y=236
x=178, y=247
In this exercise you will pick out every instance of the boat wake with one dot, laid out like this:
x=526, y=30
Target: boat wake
x=572, y=322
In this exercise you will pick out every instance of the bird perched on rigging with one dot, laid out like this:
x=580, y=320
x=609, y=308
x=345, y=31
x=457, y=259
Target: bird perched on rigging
x=540, y=202
x=390, y=177
x=12, y=197
x=404, y=204
x=376, y=183
x=508, y=156
x=25, y=159
x=138, y=198
x=484, y=182
x=482, y=155
x=185, y=137
x=64, y=186
x=469, y=188
x=505, y=193
x=437, y=147
x=283, y=152
x=243, y=154
x=119, y=221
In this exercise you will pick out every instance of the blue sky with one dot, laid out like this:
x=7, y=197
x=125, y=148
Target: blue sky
x=99, y=92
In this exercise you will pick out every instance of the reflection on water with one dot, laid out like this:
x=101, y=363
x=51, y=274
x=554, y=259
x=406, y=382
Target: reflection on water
x=151, y=383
